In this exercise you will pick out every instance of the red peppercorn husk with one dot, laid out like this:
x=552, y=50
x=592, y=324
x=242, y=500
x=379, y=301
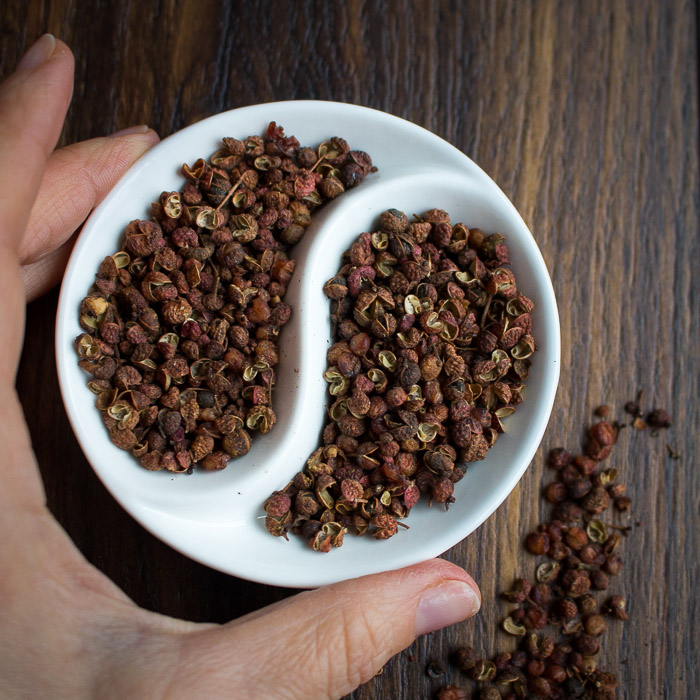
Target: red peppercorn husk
x=186, y=317
x=424, y=370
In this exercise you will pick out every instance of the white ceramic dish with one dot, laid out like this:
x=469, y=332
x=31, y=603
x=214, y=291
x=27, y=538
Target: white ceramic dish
x=215, y=518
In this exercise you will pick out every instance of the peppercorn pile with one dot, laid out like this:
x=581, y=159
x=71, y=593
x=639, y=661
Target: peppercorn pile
x=581, y=558
x=181, y=325
x=432, y=340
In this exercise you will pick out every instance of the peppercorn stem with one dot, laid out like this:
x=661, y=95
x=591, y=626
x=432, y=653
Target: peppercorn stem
x=317, y=163
x=486, y=310
x=229, y=194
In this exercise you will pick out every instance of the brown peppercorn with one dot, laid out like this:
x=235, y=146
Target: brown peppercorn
x=612, y=565
x=502, y=660
x=603, y=432
x=586, y=465
x=537, y=543
x=589, y=554
x=452, y=692
x=576, y=583
x=559, y=551
x=565, y=609
x=659, y=418
x=520, y=589
x=559, y=654
x=586, y=644
x=351, y=426
x=599, y=580
x=435, y=669
x=237, y=443
x=556, y=492
x=572, y=562
x=358, y=404
x=442, y=490
x=536, y=618
x=617, y=490
x=176, y=311
x=348, y=364
x=570, y=474
x=598, y=452
x=559, y=458
x=201, y=447
x=489, y=694
x=539, y=647
x=396, y=397
x=555, y=673
x=596, y=501
x=410, y=374
x=465, y=658
x=541, y=595
x=278, y=504
x=587, y=604
x=519, y=658
x=594, y=624
x=616, y=607
x=215, y=461
x=360, y=344
x=517, y=616
x=623, y=503
x=555, y=532
x=377, y=407
x=540, y=687
x=579, y=488
x=601, y=680
x=393, y=221
x=575, y=660
x=610, y=546
x=576, y=538
x=535, y=667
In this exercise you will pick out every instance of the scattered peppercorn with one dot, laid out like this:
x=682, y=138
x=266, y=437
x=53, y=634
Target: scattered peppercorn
x=580, y=556
x=452, y=692
x=465, y=658
x=435, y=669
x=659, y=418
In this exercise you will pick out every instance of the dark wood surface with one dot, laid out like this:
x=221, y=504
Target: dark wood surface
x=586, y=114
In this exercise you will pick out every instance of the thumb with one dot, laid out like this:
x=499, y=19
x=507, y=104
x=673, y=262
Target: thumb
x=324, y=643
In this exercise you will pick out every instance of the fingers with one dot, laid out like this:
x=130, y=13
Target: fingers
x=324, y=643
x=41, y=276
x=33, y=104
x=75, y=180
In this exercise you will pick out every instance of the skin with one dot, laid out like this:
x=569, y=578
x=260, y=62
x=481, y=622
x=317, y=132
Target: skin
x=66, y=631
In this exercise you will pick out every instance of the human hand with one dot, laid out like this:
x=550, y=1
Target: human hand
x=66, y=631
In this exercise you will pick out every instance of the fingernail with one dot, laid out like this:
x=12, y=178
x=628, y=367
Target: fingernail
x=39, y=53
x=140, y=129
x=446, y=604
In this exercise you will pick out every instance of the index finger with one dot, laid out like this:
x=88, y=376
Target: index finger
x=33, y=105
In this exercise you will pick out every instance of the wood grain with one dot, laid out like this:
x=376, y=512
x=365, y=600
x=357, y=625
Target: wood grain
x=586, y=114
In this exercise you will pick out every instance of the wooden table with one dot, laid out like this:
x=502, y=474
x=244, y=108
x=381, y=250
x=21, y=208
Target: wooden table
x=586, y=114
